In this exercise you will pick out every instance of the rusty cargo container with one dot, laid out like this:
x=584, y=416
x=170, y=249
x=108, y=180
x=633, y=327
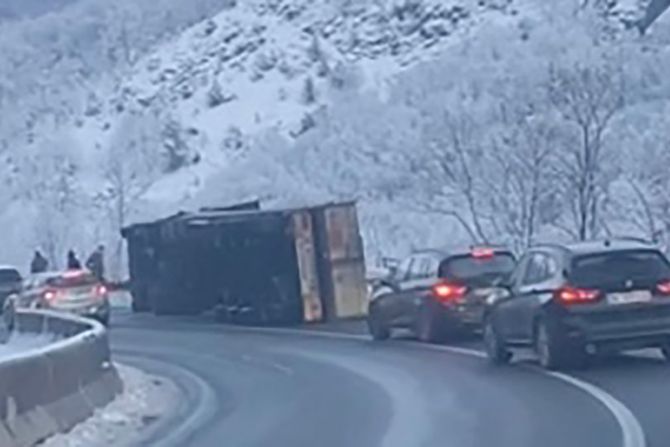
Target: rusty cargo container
x=251, y=265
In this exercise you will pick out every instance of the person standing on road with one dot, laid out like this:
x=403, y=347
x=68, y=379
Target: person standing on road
x=39, y=264
x=72, y=261
x=96, y=263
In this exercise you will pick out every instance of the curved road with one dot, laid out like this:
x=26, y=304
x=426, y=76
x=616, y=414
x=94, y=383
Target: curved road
x=264, y=387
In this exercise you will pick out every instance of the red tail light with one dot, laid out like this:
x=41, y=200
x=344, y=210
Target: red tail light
x=100, y=290
x=574, y=295
x=482, y=252
x=446, y=292
x=51, y=295
x=664, y=288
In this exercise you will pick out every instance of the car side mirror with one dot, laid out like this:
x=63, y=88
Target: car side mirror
x=498, y=294
x=504, y=283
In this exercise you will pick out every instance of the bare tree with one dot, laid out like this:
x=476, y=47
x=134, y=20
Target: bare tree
x=587, y=98
x=448, y=173
x=129, y=169
x=645, y=221
x=649, y=208
x=175, y=147
x=56, y=194
x=521, y=186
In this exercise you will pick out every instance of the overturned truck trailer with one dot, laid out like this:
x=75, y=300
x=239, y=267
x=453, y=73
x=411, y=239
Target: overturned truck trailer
x=250, y=265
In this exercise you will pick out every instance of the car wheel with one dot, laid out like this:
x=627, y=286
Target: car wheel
x=377, y=328
x=8, y=317
x=553, y=353
x=430, y=327
x=546, y=348
x=496, y=351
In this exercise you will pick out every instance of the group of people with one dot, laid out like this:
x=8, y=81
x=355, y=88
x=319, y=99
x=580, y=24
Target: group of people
x=95, y=262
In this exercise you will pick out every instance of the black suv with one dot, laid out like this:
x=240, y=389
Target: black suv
x=438, y=294
x=568, y=301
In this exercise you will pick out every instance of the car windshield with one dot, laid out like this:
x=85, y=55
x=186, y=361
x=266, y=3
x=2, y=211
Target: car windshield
x=9, y=276
x=74, y=280
x=613, y=266
x=470, y=267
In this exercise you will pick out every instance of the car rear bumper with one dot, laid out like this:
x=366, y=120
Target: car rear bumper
x=96, y=311
x=624, y=331
x=462, y=316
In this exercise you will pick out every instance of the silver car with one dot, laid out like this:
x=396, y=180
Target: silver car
x=74, y=291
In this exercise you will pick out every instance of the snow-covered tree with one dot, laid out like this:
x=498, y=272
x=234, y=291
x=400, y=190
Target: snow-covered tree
x=215, y=96
x=587, y=97
x=50, y=172
x=130, y=166
x=175, y=147
x=309, y=95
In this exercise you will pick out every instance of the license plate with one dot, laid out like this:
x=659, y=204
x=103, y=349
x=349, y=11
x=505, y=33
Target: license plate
x=639, y=296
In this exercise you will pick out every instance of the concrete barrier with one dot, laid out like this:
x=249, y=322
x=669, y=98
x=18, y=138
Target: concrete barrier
x=50, y=389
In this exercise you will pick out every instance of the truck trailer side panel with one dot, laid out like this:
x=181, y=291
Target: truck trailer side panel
x=303, y=230
x=341, y=261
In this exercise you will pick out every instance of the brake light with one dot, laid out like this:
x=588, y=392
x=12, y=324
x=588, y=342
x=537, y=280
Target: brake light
x=482, y=253
x=50, y=295
x=664, y=287
x=445, y=292
x=100, y=290
x=573, y=295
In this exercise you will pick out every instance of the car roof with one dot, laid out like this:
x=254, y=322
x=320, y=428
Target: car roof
x=599, y=246
x=458, y=251
x=8, y=267
x=56, y=274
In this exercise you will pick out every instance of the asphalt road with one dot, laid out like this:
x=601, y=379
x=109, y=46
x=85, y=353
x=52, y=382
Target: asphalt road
x=321, y=386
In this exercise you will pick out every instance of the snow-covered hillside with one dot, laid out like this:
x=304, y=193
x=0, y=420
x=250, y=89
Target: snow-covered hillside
x=299, y=101
x=271, y=65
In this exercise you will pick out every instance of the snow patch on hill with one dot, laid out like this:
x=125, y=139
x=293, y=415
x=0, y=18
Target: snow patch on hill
x=274, y=64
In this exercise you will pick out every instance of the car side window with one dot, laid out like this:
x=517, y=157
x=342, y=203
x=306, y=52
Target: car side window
x=539, y=269
x=552, y=267
x=519, y=272
x=402, y=273
x=432, y=267
x=416, y=269
x=27, y=284
x=427, y=267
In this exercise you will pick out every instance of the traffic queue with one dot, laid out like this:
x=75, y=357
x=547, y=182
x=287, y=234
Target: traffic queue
x=563, y=302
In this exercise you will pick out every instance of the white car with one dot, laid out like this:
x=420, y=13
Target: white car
x=75, y=291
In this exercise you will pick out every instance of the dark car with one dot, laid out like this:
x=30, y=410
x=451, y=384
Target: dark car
x=438, y=294
x=74, y=291
x=10, y=283
x=568, y=301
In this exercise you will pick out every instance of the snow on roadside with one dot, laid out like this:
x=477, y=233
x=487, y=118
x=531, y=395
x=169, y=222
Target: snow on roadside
x=145, y=400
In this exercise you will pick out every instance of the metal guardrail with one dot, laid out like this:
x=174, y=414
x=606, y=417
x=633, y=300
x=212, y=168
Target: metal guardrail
x=50, y=389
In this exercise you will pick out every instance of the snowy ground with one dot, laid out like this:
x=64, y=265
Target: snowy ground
x=145, y=400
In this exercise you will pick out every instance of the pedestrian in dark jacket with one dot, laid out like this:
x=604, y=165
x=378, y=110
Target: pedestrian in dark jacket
x=72, y=261
x=96, y=263
x=39, y=264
